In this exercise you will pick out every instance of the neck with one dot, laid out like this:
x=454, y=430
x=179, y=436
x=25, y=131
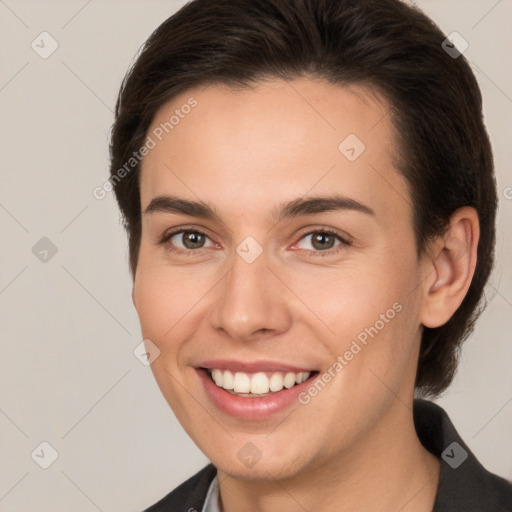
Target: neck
x=387, y=470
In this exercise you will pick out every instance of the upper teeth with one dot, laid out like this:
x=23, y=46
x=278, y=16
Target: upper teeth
x=257, y=383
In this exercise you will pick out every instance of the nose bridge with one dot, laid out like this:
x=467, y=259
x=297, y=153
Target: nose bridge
x=251, y=296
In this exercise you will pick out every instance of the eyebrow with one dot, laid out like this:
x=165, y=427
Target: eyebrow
x=295, y=208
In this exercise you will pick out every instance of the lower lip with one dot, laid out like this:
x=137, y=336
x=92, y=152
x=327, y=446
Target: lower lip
x=247, y=408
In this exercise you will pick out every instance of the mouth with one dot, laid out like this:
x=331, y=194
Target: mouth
x=256, y=384
x=253, y=391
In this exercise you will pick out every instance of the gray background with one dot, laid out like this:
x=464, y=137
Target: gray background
x=68, y=373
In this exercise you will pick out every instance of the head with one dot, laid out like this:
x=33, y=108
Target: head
x=245, y=107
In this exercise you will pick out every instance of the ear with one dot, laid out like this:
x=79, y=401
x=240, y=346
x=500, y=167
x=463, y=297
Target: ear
x=450, y=267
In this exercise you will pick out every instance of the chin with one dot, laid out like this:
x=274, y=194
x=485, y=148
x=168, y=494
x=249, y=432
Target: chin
x=264, y=470
x=256, y=458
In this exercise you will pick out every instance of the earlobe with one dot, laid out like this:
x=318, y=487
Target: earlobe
x=453, y=265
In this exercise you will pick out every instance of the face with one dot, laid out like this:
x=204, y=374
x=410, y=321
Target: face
x=278, y=258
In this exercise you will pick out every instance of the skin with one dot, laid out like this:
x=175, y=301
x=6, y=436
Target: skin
x=353, y=446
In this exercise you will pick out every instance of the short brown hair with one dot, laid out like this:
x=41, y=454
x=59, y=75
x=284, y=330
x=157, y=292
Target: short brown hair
x=434, y=100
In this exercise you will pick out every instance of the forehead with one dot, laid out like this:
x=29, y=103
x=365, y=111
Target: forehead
x=243, y=147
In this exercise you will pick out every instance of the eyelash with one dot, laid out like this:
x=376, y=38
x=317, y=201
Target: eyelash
x=329, y=252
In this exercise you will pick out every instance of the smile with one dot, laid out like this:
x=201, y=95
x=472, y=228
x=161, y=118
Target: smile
x=256, y=384
x=253, y=391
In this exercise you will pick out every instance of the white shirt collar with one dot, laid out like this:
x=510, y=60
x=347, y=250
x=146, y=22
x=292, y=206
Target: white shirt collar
x=211, y=503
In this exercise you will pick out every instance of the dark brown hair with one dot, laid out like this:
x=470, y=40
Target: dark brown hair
x=434, y=100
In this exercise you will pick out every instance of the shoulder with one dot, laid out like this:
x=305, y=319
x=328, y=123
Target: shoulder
x=464, y=483
x=189, y=496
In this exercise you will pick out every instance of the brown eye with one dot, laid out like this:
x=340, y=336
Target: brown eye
x=183, y=241
x=192, y=239
x=323, y=241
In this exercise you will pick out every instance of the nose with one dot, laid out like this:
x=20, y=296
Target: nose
x=252, y=301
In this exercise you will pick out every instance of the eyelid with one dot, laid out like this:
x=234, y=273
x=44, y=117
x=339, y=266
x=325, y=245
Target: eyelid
x=344, y=237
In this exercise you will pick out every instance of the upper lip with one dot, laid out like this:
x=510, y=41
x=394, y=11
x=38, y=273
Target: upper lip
x=251, y=366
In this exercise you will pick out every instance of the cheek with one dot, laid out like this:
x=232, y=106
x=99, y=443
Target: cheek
x=165, y=294
x=347, y=299
x=371, y=314
x=162, y=302
x=154, y=306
